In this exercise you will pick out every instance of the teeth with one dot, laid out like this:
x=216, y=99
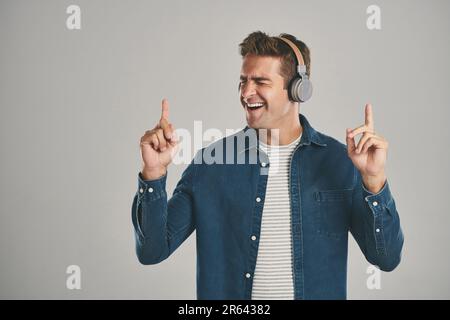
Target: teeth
x=254, y=105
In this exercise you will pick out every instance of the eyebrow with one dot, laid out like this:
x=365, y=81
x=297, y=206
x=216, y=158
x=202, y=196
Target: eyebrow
x=255, y=78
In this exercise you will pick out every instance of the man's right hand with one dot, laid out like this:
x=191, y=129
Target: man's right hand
x=158, y=146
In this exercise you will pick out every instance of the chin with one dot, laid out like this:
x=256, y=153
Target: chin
x=252, y=124
x=255, y=125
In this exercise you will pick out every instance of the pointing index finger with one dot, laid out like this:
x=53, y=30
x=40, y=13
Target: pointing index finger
x=369, y=116
x=165, y=109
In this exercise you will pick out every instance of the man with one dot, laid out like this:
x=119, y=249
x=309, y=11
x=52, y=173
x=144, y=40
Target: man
x=275, y=228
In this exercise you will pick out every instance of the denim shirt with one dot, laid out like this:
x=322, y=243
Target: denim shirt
x=223, y=201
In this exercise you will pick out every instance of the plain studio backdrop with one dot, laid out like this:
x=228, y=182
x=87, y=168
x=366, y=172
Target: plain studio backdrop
x=74, y=104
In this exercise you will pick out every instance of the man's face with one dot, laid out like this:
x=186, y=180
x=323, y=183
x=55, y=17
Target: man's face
x=261, y=83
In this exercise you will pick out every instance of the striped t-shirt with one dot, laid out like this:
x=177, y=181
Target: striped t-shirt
x=273, y=273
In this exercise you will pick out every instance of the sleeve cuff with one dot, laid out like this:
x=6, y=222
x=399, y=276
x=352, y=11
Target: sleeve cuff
x=151, y=189
x=378, y=201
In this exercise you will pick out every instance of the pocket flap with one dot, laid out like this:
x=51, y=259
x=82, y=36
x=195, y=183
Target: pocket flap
x=333, y=195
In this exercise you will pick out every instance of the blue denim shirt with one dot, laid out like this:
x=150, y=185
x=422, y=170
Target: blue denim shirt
x=224, y=202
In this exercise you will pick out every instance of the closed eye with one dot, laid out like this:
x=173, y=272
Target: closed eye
x=256, y=79
x=258, y=82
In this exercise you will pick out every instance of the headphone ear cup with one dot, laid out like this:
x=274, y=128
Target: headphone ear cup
x=301, y=89
x=290, y=89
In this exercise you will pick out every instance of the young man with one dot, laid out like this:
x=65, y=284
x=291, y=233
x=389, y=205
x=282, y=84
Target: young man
x=277, y=227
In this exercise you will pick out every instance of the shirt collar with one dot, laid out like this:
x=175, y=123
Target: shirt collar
x=309, y=135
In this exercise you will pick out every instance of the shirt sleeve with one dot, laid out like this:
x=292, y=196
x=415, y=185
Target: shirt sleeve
x=161, y=225
x=375, y=225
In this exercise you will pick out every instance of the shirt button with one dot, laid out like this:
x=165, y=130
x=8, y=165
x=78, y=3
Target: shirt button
x=141, y=190
x=263, y=164
x=253, y=238
x=258, y=199
x=150, y=189
x=375, y=203
x=247, y=275
x=377, y=230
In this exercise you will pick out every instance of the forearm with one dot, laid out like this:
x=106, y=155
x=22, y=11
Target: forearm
x=161, y=226
x=376, y=226
x=149, y=213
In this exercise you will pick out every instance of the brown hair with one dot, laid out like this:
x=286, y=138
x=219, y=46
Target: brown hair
x=260, y=44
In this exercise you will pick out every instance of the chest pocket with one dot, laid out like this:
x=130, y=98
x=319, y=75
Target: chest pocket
x=333, y=215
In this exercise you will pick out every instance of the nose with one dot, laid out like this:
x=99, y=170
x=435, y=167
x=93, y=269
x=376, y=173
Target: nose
x=247, y=90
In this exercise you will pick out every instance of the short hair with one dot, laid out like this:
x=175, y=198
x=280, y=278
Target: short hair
x=260, y=44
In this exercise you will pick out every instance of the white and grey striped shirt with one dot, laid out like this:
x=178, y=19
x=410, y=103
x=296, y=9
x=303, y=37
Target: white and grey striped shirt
x=273, y=273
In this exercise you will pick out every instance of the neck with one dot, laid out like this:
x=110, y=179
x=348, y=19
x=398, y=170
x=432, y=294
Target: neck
x=281, y=135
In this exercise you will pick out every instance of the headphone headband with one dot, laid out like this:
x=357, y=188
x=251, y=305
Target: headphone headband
x=299, y=87
x=298, y=54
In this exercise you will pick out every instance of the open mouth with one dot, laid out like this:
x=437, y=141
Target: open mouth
x=254, y=106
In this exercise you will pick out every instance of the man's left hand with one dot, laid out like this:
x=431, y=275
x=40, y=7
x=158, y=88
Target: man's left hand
x=369, y=155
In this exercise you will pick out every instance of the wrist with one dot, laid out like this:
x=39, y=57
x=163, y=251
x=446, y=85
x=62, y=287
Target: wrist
x=154, y=173
x=374, y=183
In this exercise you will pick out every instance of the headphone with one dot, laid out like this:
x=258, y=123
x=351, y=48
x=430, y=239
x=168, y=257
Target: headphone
x=299, y=87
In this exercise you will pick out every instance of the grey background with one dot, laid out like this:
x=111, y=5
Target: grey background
x=75, y=103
